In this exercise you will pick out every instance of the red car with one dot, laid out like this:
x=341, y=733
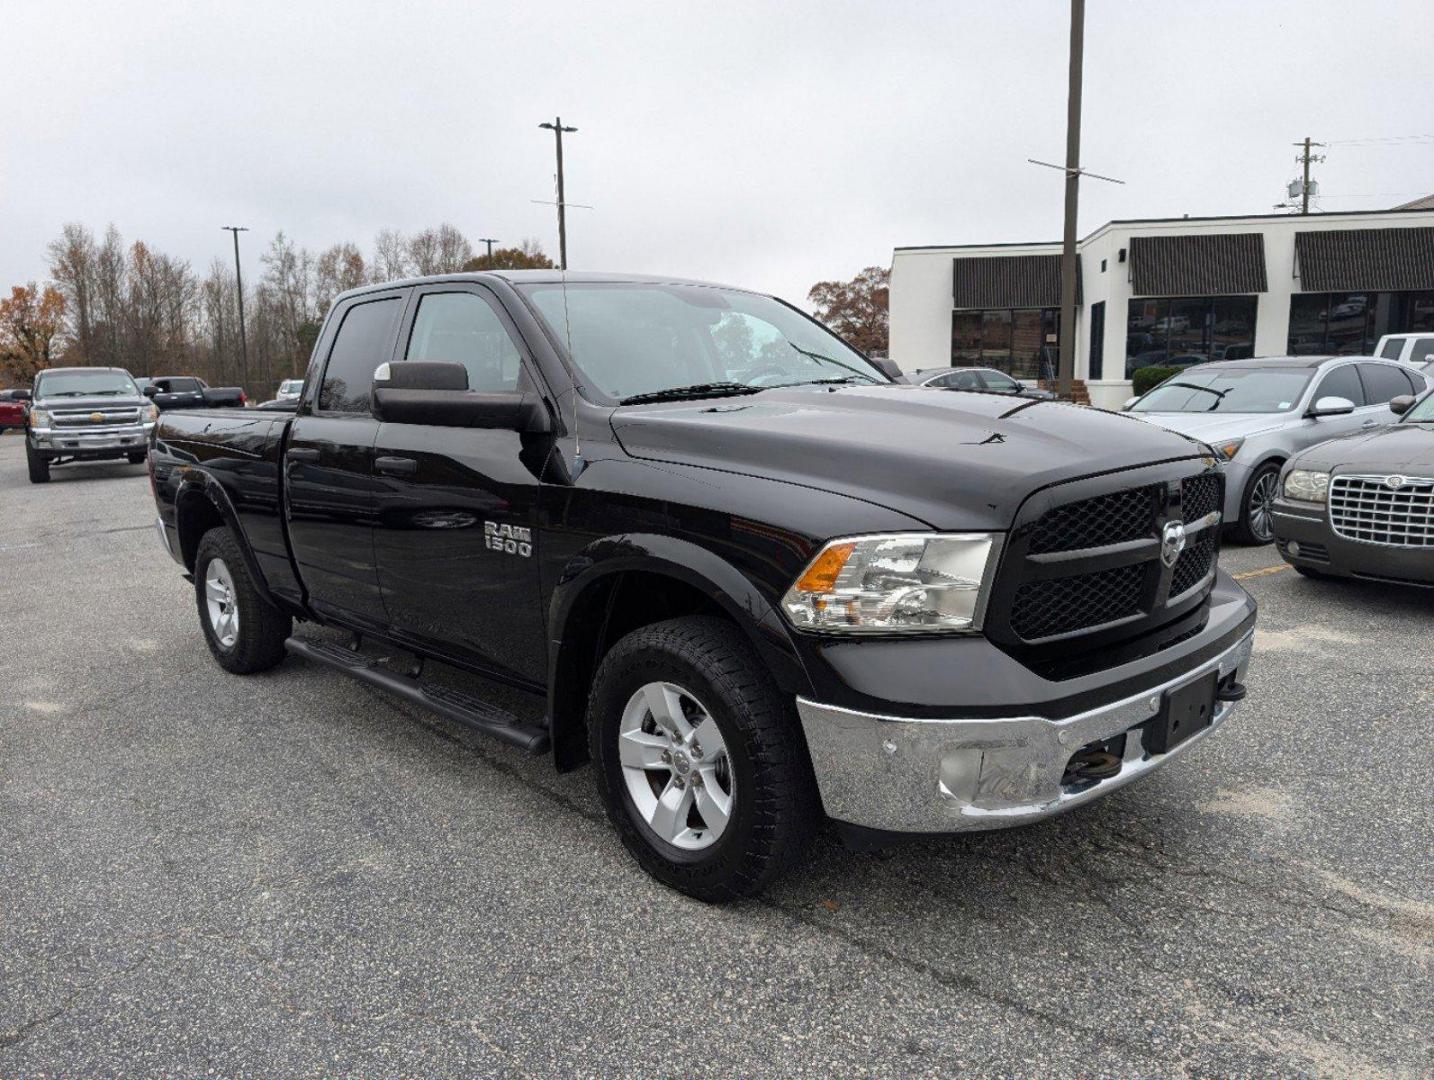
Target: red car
x=12, y=408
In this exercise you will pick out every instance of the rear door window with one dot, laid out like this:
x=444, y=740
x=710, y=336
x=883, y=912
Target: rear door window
x=1383, y=382
x=1422, y=352
x=364, y=340
x=1342, y=382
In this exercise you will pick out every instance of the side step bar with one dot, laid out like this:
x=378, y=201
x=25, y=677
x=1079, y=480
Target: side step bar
x=454, y=704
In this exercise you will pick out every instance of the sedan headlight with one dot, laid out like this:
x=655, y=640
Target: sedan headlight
x=1227, y=450
x=896, y=583
x=39, y=418
x=1307, y=486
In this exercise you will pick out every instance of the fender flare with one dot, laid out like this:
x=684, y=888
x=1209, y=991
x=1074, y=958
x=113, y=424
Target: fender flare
x=605, y=560
x=198, y=487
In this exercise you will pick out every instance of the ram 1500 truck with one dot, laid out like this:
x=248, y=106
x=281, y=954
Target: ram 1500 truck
x=189, y=392
x=750, y=579
x=85, y=414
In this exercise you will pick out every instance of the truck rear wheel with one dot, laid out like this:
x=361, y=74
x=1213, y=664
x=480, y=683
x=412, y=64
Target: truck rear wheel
x=245, y=633
x=38, y=465
x=700, y=760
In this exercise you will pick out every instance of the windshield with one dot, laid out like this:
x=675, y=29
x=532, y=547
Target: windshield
x=1228, y=390
x=1422, y=412
x=631, y=339
x=81, y=383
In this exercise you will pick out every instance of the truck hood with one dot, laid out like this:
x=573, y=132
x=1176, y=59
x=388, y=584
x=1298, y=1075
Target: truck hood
x=953, y=460
x=1216, y=427
x=1398, y=448
x=91, y=401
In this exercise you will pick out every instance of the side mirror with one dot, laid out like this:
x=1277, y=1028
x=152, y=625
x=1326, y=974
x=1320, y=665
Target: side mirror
x=1331, y=406
x=1401, y=405
x=1021, y=386
x=149, y=390
x=888, y=367
x=1129, y=402
x=436, y=394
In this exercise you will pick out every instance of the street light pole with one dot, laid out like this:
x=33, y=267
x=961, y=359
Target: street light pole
x=239, y=281
x=490, y=243
x=556, y=127
x=1066, y=373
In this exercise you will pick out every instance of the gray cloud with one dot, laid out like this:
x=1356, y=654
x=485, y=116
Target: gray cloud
x=768, y=145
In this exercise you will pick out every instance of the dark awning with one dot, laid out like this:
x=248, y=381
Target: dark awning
x=1009, y=281
x=1340, y=260
x=1215, y=265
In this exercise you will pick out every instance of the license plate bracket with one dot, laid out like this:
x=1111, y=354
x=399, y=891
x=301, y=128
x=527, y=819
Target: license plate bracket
x=1184, y=711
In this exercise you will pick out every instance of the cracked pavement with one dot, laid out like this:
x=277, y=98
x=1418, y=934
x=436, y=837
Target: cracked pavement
x=294, y=875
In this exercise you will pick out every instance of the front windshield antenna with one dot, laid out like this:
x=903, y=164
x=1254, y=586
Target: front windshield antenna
x=568, y=334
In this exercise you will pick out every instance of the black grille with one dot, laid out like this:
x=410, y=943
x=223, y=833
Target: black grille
x=1200, y=495
x=1194, y=563
x=1063, y=605
x=1105, y=519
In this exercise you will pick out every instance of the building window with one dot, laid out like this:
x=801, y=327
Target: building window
x=1179, y=331
x=1097, y=339
x=1350, y=324
x=1023, y=342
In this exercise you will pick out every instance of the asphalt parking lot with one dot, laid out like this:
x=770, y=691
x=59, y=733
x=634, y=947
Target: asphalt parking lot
x=291, y=874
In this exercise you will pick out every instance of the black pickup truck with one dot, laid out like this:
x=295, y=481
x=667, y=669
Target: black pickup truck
x=190, y=392
x=753, y=581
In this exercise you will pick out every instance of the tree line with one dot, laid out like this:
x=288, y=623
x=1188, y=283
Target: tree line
x=127, y=304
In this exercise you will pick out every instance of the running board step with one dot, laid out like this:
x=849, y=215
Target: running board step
x=454, y=704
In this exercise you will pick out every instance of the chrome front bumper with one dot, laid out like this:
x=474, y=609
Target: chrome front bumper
x=934, y=776
x=79, y=440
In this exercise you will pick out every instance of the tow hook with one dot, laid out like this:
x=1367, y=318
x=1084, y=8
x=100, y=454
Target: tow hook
x=1234, y=692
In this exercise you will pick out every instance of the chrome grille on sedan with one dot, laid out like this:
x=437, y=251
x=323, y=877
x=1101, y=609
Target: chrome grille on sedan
x=1393, y=510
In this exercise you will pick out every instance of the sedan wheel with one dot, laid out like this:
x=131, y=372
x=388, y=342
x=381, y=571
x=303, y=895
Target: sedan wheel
x=1260, y=505
x=676, y=767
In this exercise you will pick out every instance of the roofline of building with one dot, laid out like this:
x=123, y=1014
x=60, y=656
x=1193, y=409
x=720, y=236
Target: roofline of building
x=1165, y=221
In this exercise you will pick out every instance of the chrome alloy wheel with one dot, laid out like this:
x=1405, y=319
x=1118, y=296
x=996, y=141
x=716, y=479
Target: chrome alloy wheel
x=676, y=766
x=1261, y=507
x=221, y=603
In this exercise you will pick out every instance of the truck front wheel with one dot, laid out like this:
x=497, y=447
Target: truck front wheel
x=38, y=464
x=245, y=633
x=700, y=759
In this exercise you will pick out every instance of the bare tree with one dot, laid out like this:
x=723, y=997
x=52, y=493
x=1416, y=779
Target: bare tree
x=423, y=251
x=72, y=265
x=337, y=270
x=453, y=249
x=390, y=256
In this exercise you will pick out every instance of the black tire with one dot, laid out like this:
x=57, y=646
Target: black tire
x=136, y=459
x=1259, y=488
x=38, y=465
x=263, y=628
x=775, y=807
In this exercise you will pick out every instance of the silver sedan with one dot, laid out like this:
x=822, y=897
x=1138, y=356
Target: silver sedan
x=1256, y=413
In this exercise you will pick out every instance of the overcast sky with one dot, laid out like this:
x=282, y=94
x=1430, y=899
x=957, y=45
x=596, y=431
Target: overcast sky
x=764, y=144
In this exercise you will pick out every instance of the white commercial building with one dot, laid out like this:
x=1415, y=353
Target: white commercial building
x=1168, y=292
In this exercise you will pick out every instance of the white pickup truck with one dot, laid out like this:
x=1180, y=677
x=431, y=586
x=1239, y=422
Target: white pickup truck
x=1416, y=349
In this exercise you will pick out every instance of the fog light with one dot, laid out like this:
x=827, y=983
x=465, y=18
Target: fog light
x=1294, y=548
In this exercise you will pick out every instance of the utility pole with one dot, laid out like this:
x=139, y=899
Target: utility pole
x=1066, y=374
x=556, y=127
x=490, y=243
x=1305, y=159
x=239, y=280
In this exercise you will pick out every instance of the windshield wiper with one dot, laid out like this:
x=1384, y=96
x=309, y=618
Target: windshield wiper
x=696, y=390
x=830, y=382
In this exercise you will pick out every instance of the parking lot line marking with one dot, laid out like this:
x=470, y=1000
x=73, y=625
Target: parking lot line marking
x=1262, y=572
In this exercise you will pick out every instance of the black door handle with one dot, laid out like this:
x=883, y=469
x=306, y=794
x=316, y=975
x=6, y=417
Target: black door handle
x=303, y=453
x=396, y=466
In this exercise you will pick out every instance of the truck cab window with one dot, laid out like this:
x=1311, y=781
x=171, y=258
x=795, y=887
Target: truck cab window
x=461, y=328
x=361, y=345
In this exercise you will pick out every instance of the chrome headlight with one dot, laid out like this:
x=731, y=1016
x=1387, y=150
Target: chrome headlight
x=896, y=583
x=150, y=414
x=39, y=418
x=1307, y=486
